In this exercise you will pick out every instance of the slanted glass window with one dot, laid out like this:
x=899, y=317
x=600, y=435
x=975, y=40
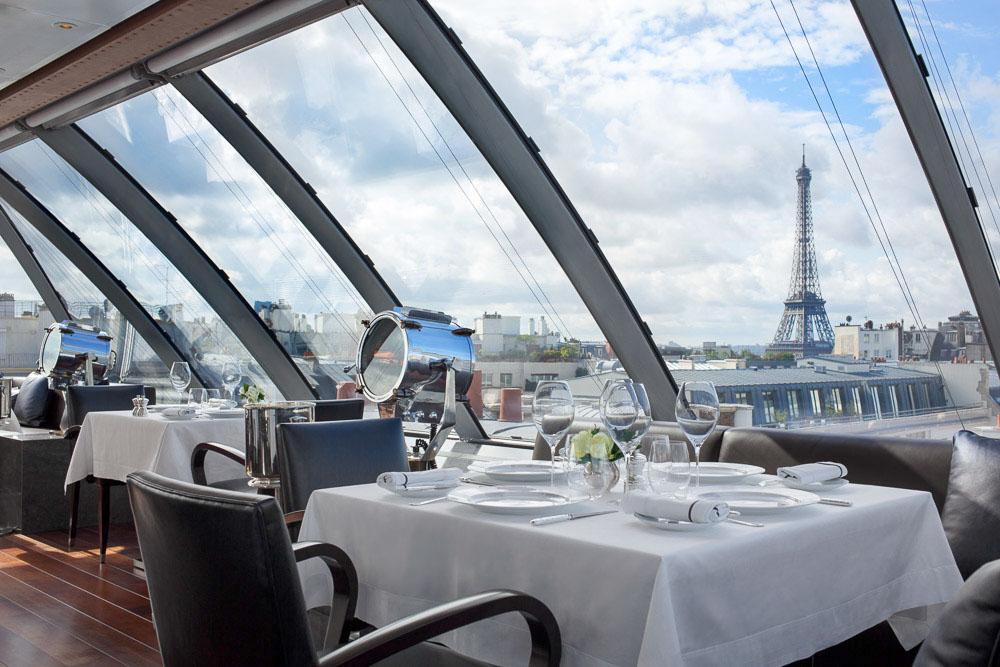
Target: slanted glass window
x=349, y=112
x=816, y=397
x=23, y=316
x=678, y=131
x=173, y=302
x=227, y=208
x=769, y=406
x=793, y=403
x=135, y=361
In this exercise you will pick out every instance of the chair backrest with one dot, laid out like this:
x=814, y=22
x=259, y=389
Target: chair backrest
x=82, y=400
x=967, y=633
x=905, y=463
x=973, y=503
x=339, y=409
x=222, y=579
x=322, y=455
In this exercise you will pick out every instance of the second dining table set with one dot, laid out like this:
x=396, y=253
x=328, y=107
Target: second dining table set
x=656, y=560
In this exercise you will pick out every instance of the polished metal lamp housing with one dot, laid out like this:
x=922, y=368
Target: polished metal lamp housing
x=69, y=347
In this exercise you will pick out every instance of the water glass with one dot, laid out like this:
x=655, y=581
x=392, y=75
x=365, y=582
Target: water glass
x=198, y=396
x=232, y=375
x=590, y=471
x=669, y=467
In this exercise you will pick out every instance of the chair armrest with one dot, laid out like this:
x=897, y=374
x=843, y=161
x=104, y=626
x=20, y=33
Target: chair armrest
x=72, y=432
x=345, y=588
x=546, y=642
x=203, y=448
x=293, y=522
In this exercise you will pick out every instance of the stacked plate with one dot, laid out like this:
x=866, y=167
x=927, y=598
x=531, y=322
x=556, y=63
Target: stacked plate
x=516, y=499
x=518, y=472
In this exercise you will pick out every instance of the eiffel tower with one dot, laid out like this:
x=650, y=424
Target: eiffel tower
x=804, y=329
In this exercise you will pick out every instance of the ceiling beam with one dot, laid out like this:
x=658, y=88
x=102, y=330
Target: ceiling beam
x=300, y=197
x=98, y=167
x=436, y=52
x=147, y=33
x=68, y=243
x=898, y=59
x=25, y=256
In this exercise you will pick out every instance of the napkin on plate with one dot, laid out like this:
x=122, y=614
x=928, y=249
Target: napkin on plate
x=178, y=411
x=398, y=481
x=813, y=473
x=694, y=510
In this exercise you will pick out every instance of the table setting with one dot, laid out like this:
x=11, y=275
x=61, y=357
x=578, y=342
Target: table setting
x=664, y=561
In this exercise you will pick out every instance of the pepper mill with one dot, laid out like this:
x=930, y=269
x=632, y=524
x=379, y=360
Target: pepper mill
x=139, y=404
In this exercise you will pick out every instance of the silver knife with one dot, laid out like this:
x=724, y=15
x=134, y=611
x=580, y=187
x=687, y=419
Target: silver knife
x=835, y=501
x=556, y=518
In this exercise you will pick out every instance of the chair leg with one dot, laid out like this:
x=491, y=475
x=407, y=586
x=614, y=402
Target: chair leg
x=74, y=511
x=104, y=513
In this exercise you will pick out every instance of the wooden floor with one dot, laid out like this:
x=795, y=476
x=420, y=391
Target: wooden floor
x=60, y=607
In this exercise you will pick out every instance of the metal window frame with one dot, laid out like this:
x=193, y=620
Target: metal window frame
x=236, y=128
x=25, y=256
x=898, y=59
x=68, y=243
x=436, y=52
x=98, y=167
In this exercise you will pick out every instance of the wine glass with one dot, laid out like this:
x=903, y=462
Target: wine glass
x=552, y=410
x=669, y=467
x=619, y=410
x=180, y=376
x=697, y=411
x=589, y=469
x=232, y=374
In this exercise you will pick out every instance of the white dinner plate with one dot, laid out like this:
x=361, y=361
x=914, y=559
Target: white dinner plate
x=179, y=418
x=160, y=407
x=768, y=500
x=713, y=472
x=818, y=487
x=231, y=413
x=520, y=471
x=670, y=524
x=515, y=499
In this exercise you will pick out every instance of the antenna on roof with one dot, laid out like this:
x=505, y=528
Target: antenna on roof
x=803, y=155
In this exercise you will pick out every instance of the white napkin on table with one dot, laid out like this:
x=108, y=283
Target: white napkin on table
x=177, y=412
x=813, y=473
x=694, y=510
x=398, y=481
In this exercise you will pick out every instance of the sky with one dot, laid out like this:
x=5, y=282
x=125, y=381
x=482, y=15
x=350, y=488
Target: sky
x=675, y=127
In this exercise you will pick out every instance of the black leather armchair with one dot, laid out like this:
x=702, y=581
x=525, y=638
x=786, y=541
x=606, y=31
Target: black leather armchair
x=323, y=455
x=81, y=400
x=224, y=588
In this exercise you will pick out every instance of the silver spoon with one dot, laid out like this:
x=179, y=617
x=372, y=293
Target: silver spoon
x=744, y=523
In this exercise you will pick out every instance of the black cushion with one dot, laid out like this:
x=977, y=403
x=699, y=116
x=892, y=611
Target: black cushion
x=339, y=409
x=222, y=579
x=82, y=400
x=322, y=455
x=971, y=515
x=967, y=634
x=32, y=404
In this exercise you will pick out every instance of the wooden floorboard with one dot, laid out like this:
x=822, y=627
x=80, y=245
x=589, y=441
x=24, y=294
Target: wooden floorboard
x=63, y=607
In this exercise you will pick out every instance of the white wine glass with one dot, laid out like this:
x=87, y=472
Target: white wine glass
x=697, y=411
x=620, y=412
x=232, y=375
x=553, y=410
x=180, y=376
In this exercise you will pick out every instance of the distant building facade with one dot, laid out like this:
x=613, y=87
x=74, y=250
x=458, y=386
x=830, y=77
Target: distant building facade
x=867, y=342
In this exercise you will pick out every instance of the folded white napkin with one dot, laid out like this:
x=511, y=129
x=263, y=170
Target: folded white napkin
x=695, y=510
x=812, y=473
x=398, y=481
x=177, y=411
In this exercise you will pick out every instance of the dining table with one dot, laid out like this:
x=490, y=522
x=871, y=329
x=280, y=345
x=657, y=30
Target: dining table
x=113, y=444
x=628, y=593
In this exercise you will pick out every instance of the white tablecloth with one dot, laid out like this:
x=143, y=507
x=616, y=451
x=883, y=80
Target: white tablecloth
x=113, y=444
x=627, y=594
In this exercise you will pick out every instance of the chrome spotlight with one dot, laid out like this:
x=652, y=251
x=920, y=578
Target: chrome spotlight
x=71, y=349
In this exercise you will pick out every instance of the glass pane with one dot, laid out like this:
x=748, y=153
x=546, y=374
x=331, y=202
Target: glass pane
x=348, y=111
x=135, y=361
x=169, y=297
x=278, y=267
x=23, y=317
x=678, y=131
